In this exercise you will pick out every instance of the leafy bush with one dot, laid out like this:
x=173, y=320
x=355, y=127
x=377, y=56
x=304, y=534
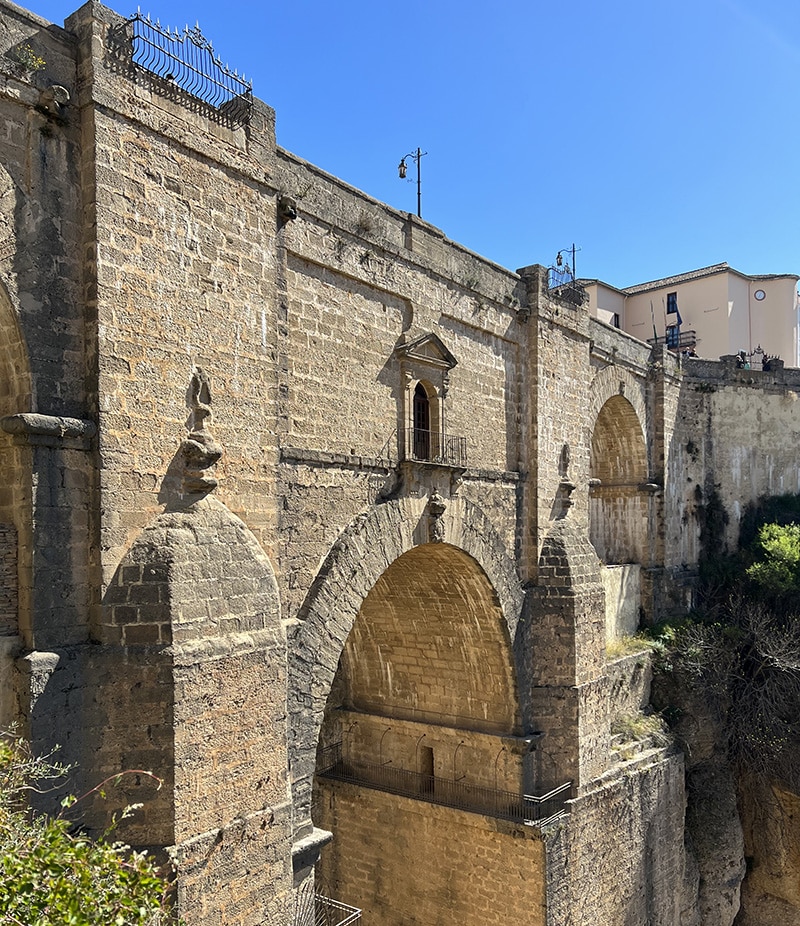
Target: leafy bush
x=51, y=875
x=778, y=567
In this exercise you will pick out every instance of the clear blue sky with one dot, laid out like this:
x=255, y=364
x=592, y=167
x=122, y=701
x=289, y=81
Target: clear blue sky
x=658, y=135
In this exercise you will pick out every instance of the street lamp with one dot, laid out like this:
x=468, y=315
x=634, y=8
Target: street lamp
x=402, y=168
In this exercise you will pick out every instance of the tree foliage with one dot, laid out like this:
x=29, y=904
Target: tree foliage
x=741, y=647
x=777, y=569
x=52, y=875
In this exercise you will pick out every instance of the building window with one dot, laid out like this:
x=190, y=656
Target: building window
x=673, y=337
x=422, y=424
x=615, y=320
x=672, y=303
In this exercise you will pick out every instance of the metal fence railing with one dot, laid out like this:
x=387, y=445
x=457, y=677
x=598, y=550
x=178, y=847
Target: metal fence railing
x=183, y=62
x=506, y=805
x=312, y=908
x=562, y=284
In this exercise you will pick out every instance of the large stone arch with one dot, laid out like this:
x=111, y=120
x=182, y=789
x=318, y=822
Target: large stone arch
x=358, y=559
x=407, y=703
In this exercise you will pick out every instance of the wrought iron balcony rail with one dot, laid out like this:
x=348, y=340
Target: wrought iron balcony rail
x=675, y=340
x=435, y=447
x=184, y=62
x=505, y=805
x=426, y=447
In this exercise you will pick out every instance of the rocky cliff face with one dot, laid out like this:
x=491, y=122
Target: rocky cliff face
x=742, y=836
x=714, y=838
x=771, y=822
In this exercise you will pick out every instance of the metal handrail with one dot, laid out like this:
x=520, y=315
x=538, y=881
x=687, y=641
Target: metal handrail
x=312, y=908
x=329, y=909
x=539, y=809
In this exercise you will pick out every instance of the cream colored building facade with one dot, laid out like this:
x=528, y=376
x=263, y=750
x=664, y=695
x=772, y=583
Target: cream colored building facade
x=722, y=311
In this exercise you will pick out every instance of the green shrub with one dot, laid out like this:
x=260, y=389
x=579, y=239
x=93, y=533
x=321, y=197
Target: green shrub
x=52, y=875
x=777, y=568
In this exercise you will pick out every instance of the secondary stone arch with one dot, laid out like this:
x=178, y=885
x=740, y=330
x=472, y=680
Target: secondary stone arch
x=619, y=499
x=615, y=381
x=364, y=552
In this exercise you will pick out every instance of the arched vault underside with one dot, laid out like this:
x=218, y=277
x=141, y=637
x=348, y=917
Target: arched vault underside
x=406, y=592
x=430, y=644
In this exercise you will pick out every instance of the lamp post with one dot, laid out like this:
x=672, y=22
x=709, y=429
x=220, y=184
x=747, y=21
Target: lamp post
x=560, y=261
x=402, y=169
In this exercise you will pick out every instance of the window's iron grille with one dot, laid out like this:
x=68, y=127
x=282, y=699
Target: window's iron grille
x=185, y=62
x=521, y=808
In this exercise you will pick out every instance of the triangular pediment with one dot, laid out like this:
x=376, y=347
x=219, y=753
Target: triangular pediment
x=428, y=348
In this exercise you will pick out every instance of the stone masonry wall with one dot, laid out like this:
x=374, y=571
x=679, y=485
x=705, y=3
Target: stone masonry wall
x=734, y=440
x=422, y=864
x=628, y=832
x=142, y=239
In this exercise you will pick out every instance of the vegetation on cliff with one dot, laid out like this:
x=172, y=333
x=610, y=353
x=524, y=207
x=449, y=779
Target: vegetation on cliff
x=740, y=648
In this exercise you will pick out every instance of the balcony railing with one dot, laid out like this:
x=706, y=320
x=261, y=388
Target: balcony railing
x=676, y=339
x=505, y=805
x=435, y=447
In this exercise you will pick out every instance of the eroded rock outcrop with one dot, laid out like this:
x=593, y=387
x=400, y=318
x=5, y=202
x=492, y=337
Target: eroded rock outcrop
x=714, y=839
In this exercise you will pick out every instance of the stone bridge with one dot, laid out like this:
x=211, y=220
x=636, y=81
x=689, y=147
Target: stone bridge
x=288, y=474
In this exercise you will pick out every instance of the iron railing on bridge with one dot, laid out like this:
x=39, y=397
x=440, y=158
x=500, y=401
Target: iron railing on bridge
x=561, y=283
x=183, y=63
x=312, y=908
x=506, y=805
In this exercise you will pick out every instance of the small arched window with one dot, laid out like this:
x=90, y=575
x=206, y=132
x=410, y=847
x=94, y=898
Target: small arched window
x=422, y=423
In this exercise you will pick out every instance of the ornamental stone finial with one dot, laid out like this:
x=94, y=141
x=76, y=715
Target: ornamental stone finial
x=199, y=450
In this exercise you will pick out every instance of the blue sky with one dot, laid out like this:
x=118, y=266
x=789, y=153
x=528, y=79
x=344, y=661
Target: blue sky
x=658, y=135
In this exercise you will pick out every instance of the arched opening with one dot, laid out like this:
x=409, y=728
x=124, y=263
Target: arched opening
x=420, y=748
x=422, y=424
x=426, y=438
x=618, y=509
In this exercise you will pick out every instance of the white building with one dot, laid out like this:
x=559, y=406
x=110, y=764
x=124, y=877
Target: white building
x=716, y=310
